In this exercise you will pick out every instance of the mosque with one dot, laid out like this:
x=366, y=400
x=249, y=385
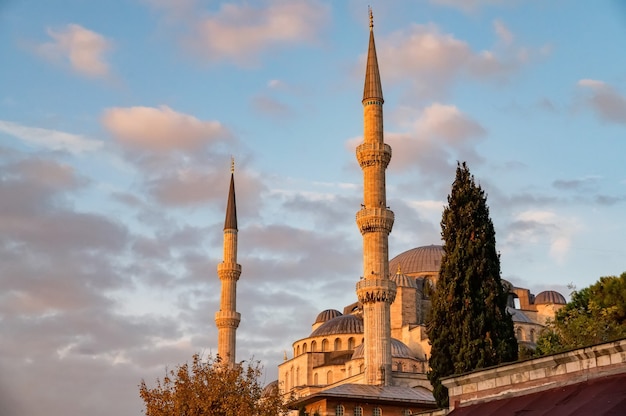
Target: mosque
x=370, y=357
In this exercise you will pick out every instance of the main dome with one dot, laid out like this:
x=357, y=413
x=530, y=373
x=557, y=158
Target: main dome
x=342, y=324
x=425, y=259
x=327, y=315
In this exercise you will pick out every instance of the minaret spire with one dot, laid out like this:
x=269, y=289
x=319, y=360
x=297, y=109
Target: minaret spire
x=375, y=290
x=227, y=318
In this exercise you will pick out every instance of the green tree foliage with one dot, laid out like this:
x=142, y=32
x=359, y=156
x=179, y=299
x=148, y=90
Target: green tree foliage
x=209, y=388
x=468, y=327
x=596, y=314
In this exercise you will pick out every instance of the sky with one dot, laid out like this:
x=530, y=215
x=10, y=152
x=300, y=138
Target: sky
x=118, y=120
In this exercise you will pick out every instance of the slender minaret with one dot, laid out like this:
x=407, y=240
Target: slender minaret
x=375, y=290
x=227, y=318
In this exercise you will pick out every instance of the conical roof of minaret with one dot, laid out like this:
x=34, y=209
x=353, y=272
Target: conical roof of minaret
x=373, y=87
x=231, y=208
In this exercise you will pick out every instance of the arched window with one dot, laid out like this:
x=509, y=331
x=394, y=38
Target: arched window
x=358, y=411
x=350, y=343
x=325, y=345
x=519, y=334
x=361, y=368
x=532, y=335
x=298, y=350
x=329, y=377
x=315, y=381
x=287, y=381
x=297, y=377
x=304, y=348
x=400, y=366
x=377, y=412
x=339, y=410
x=292, y=382
x=313, y=346
x=350, y=371
x=337, y=344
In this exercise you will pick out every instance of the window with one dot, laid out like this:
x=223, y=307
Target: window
x=329, y=377
x=351, y=343
x=325, y=345
x=532, y=335
x=315, y=381
x=337, y=344
x=519, y=334
x=407, y=412
x=298, y=350
x=304, y=348
x=339, y=410
x=314, y=346
x=377, y=412
x=358, y=411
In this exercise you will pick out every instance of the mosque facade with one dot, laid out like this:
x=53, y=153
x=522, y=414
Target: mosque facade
x=369, y=357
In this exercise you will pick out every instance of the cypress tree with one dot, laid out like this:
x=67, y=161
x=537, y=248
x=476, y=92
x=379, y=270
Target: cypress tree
x=468, y=327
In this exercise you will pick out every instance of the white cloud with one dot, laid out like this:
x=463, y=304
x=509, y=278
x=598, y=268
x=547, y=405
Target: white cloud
x=161, y=129
x=433, y=60
x=503, y=32
x=240, y=33
x=82, y=48
x=605, y=101
x=536, y=227
x=50, y=139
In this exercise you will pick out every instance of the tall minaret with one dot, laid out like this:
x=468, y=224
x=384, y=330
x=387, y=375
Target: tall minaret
x=375, y=290
x=227, y=318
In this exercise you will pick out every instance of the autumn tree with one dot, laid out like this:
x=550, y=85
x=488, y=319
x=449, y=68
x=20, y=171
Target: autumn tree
x=595, y=314
x=210, y=388
x=468, y=326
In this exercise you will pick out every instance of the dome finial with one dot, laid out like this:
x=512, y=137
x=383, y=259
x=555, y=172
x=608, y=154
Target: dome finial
x=232, y=164
x=399, y=269
x=371, y=17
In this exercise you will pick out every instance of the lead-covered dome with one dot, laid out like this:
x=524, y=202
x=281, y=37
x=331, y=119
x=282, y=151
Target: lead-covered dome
x=398, y=350
x=518, y=316
x=343, y=324
x=549, y=296
x=327, y=315
x=402, y=280
x=425, y=259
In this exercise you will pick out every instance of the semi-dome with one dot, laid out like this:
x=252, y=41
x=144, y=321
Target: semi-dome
x=418, y=260
x=402, y=280
x=327, y=315
x=518, y=316
x=549, y=296
x=398, y=350
x=343, y=324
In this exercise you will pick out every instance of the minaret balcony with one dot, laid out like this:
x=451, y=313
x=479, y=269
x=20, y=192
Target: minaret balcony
x=376, y=290
x=372, y=154
x=371, y=220
x=227, y=319
x=228, y=270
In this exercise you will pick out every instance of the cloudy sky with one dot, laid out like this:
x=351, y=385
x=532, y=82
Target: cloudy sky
x=118, y=120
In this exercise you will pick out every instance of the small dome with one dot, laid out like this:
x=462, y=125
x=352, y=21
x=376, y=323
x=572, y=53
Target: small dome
x=270, y=389
x=418, y=260
x=402, y=280
x=518, y=316
x=343, y=324
x=550, y=296
x=327, y=315
x=398, y=350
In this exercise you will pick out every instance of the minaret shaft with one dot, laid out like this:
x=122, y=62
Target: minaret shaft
x=227, y=318
x=375, y=291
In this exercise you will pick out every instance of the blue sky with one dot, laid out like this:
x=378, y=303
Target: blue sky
x=118, y=120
